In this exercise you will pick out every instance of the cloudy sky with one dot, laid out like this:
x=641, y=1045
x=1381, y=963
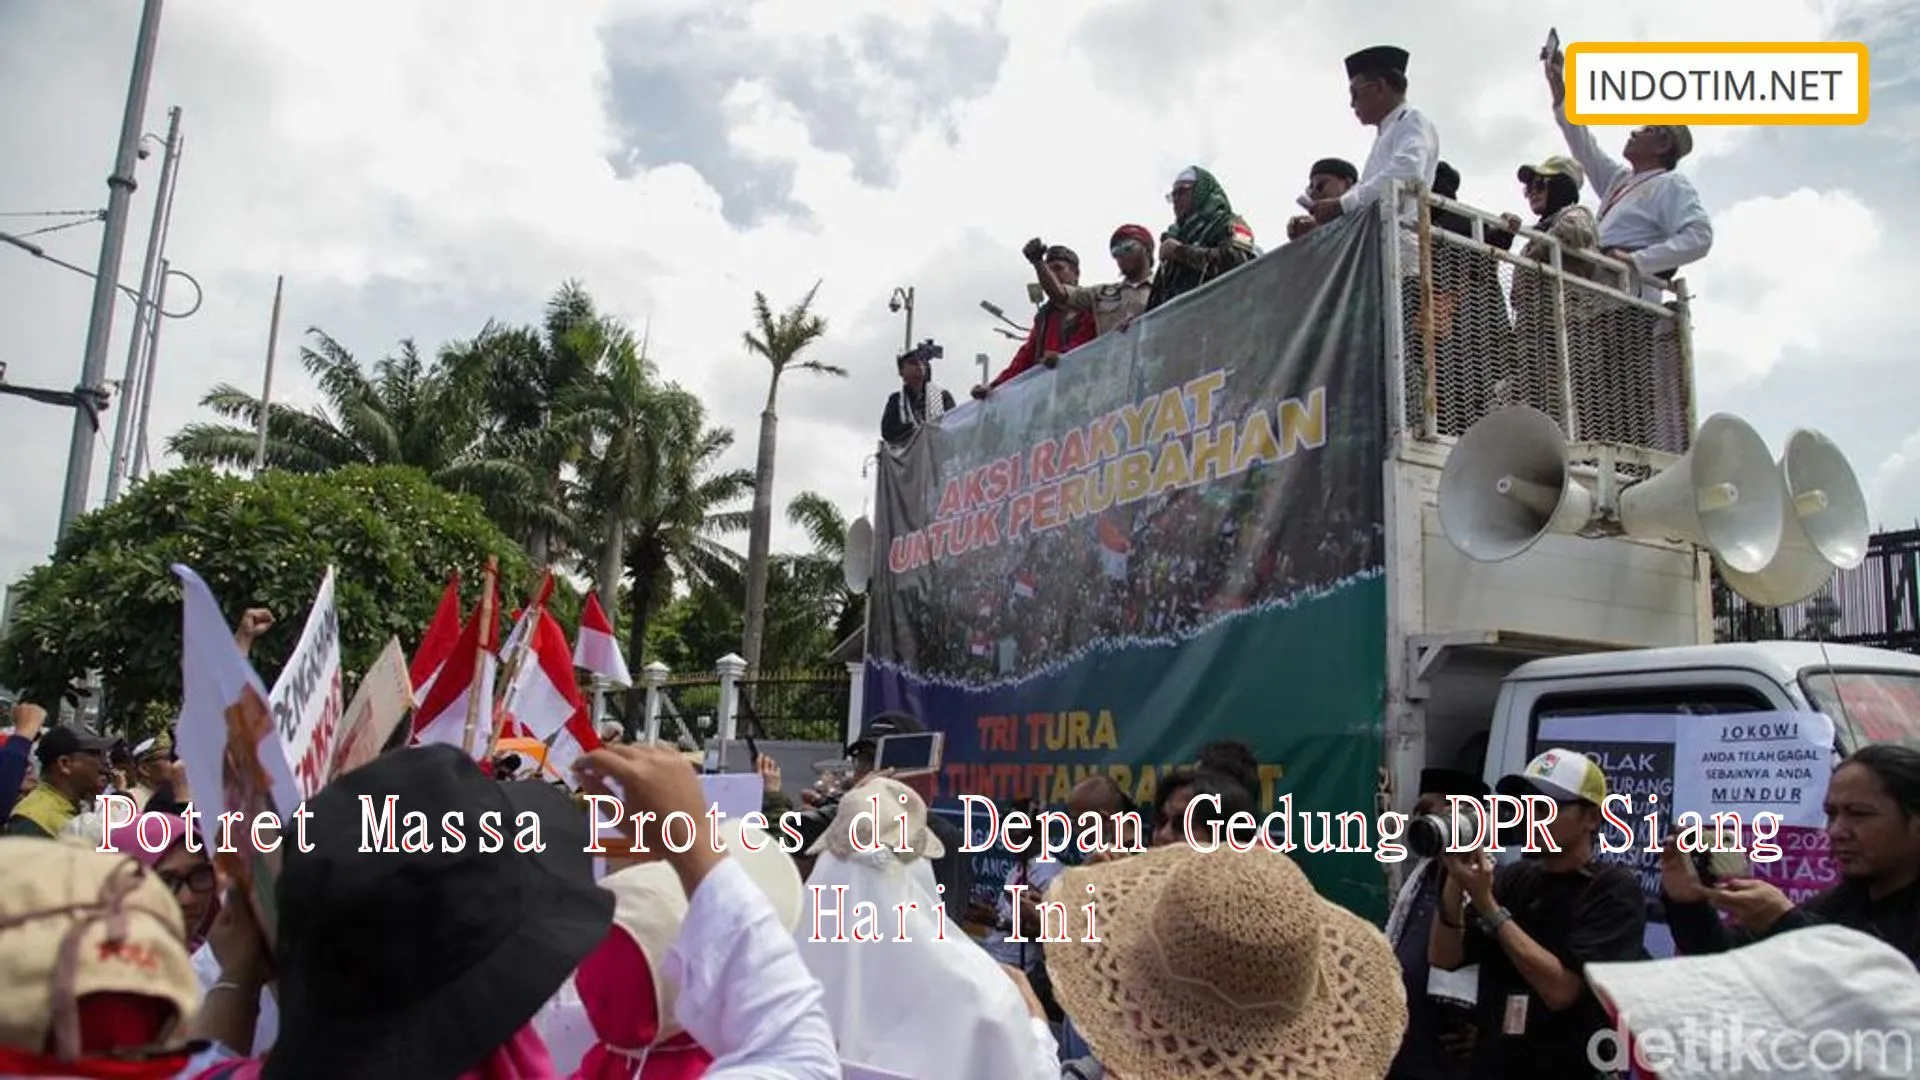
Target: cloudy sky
x=414, y=169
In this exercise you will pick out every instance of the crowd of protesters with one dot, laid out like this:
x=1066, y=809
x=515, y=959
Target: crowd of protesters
x=731, y=957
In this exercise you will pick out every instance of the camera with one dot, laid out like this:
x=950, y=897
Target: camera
x=1432, y=835
x=926, y=352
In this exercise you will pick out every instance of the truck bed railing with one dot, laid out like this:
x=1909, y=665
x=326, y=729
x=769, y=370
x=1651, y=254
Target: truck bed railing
x=1474, y=327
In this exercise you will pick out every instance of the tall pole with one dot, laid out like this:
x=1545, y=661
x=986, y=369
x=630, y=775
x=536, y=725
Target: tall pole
x=137, y=452
x=120, y=185
x=266, y=388
x=130, y=382
x=907, y=346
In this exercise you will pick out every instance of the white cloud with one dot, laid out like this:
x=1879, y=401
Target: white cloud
x=413, y=170
x=1787, y=272
x=1893, y=494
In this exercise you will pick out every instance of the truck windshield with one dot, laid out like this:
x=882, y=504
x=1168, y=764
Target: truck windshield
x=1877, y=706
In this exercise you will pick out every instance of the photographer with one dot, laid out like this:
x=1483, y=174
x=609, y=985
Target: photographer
x=1432, y=1022
x=1057, y=328
x=1535, y=924
x=918, y=401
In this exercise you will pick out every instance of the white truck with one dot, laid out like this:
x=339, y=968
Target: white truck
x=1530, y=574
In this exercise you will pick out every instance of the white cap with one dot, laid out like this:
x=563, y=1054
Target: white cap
x=1187, y=175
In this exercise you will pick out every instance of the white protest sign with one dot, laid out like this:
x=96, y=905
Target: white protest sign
x=307, y=699
x=228, y=746
x=736, y=794
x=1752, y=763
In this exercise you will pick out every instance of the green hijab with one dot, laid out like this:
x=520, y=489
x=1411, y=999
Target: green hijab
x=1210, y=222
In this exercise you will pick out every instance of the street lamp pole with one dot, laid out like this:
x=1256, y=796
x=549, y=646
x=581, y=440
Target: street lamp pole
x=985, y=365
x=902, y=300
x=132, y=386
x=120, y=185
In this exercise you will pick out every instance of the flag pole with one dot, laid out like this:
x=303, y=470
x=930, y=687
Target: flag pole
x=511, y=665
x=480, y=652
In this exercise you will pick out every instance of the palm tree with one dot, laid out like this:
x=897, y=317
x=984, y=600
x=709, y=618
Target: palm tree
x=826, y=527
x=780, y=339
x=674, y=534
x=521, y=380
x=405, y=412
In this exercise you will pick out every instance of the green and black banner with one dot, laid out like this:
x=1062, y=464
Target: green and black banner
x=1174, y=537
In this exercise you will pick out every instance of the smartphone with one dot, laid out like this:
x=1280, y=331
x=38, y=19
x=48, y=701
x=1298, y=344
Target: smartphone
x=1552, y=48
x=1714, y=867
x=913, y=753
x=1303, y=202
x=1035, y=293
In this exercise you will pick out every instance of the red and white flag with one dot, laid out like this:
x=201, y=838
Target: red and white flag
x=443, y=712
x=437, y=645
x=545, y=699
x=1114, y=549
x=1024, y=584
x=596, y=650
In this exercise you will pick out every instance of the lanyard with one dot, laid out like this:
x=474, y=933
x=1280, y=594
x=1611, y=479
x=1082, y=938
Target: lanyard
x=1624, y=190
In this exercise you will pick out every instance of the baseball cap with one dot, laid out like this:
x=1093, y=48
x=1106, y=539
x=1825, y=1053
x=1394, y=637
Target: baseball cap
x=1561, y=775
x=886, y=723
x=1557, y=165
x=86, y=923
x=59, y=741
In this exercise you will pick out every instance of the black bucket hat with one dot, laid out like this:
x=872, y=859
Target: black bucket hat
x=416, y=966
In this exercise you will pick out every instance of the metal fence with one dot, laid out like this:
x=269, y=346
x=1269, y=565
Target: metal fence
x=1876, y=603
x=802, y=706
x=1487, y=317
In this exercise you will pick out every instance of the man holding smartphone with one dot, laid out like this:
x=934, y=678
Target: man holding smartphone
x=1533, y=925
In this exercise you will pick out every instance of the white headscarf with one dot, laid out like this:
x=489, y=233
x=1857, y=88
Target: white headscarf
x=929, y=1003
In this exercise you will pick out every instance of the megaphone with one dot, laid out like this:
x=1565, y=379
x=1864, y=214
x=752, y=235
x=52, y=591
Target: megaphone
x=1507, y=483
x=857, y=564
x=1725, y=495
x=1824, y=527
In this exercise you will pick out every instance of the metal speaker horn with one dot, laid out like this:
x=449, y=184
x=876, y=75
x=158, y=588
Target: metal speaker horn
x=1725, y=495
x=1507, y=483
x=857, y=564
x=1824, y=525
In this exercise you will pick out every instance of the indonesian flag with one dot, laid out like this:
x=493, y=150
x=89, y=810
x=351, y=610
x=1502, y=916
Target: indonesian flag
x=442, y=715
x=981, y=646
x=437, y=645
x=1114, y=549
x=545, y=700
x=596, y=650
x=1023, y=583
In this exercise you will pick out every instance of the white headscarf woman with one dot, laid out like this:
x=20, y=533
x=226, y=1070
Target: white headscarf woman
x=932, y=1004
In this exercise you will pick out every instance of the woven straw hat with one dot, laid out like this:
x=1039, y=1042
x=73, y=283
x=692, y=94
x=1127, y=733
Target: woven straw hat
x=1223, y=964
x=857, y=812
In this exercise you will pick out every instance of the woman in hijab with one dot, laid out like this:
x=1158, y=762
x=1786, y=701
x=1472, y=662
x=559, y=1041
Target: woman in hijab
x=1553, y=195
x=932, y=1005
x=1203, y=243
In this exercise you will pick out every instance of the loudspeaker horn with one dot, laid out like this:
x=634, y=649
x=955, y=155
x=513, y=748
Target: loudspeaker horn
x=1724, y=495
x=857, y=563
x=1507, y=483
x=1825, y=525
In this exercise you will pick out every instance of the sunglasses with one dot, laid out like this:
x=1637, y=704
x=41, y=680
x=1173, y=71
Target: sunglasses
x=200, y=879
x=1179, y=190
x=1126, y=247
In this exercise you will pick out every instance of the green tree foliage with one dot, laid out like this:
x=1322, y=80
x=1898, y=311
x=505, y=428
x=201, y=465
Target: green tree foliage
x=109, y=600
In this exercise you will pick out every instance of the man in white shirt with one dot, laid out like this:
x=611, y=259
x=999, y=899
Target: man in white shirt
x=1652, y=219
x=1406, y=148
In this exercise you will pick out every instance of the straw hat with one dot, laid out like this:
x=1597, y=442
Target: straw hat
x=1221, y=964
x=857, y=810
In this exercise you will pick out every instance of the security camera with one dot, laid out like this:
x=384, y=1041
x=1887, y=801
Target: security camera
x=143, y=152
x=893, y=305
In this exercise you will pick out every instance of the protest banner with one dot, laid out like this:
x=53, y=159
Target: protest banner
x=1175, y=536
x=380, y=702
x=306, y=699
x=231, y=750
x=1744, y=763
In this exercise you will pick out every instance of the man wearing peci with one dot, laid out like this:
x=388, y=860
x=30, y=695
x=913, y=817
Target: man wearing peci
x=918, y=401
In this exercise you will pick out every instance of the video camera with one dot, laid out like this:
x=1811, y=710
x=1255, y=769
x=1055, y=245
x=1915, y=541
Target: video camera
x=926, y=352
